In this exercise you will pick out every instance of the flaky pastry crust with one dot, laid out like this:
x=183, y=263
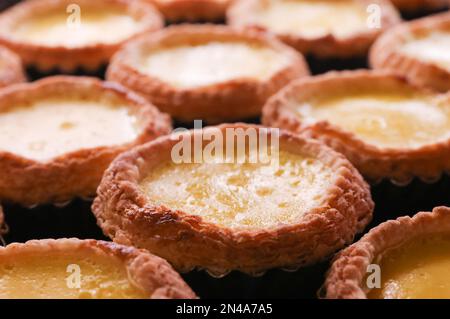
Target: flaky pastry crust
x=30, y=182
x=68, y=59
x=11, y=69
x=385, y=53
x=349, y=268
x=420, y=5
x=427, y=162
x=192, y=10
x=240, y=12
x=236, y=99
x=149, y=273
x=187, y=241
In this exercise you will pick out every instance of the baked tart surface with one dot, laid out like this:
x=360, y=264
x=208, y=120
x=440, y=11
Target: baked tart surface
x=412, y=257
x=59, y=34
x=206, y=72
x=417, y=50
x=387, y=127
x=192, y=10
x=223, y=216
x=58, y=135
x=323, y=28
x=85, y=269
x=11, y=69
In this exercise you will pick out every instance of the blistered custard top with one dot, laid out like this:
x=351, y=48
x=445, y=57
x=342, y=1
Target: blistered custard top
x=58, y=28
x=65, y=276
x=432, y=48
x=416, y=270
x=249, y=195
x=387, y=120
x=49, y=128
x=311, y=18
x=188, y=66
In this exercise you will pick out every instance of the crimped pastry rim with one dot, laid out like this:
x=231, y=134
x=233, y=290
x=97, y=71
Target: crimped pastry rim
x=348, y=269
x=147, y=272
x=192, y=10
x=120, y=202
x=181, y=103
x=278, y=113
x=12, y=72
x=384, y=53
x=90, y=56
x=23, y=169
x=327, y=46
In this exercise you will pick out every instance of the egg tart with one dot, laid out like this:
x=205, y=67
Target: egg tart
x=11, y=69
x=206, y=72
x=386, y=126
x=192, y=10
x=407, y=258
x=420, y=5
x=418, y=50
x=296, y=209
x=59, y=134
x=85, y=269
x=66, y=35
x=322, y=28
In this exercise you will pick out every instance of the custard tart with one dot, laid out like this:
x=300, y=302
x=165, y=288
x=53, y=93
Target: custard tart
x=206, y=72
x=407, y=258
x=192, y=10
x=66, y=34
x=11, y=69
x=291, y=209
x=387, y=127
x=322, y=28
x=59, y=134
x=420, y=5
x=418, y=50
x=85, y=269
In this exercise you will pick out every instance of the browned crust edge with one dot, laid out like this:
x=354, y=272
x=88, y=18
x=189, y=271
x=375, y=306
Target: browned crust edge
x=418, y=5
x=345, y=277
x=151, y=274
x=325, y=47
x=385, y=55
x=67, y=59
x=192, y=10
x=227, y=101
x=29, y=182
x=188, y=242
x=428, y=162
x=12, y=70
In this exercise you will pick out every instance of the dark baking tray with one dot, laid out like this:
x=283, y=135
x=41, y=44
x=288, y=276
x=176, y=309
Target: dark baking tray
x=76, y=220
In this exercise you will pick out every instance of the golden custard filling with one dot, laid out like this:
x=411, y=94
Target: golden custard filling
x=248, y=195
x=432, y=48
x=56, y=27
x=52, y=275
x=390, y=120
x=312, y=18
x=49, y=128
x=188, y=66
x=417, y=270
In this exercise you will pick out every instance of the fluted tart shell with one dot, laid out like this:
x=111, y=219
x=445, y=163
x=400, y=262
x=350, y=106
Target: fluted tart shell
x=149, y=275
x=11, y=68
x=189, y=241
x=348, y=272
x=30, y=181
x=228, y=100
x=376, y=162
x=68, y=58
x=386, y=54
x=192, y=10
x=241, y=14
